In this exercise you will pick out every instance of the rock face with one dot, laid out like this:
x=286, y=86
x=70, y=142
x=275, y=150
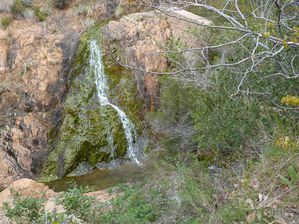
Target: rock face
x=39, y=103
x=35, y=59
x=139, y=41
x=135, y=39
x=31, y=86
x=89, y=133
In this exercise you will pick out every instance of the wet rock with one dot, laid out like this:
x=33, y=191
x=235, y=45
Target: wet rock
x=86, y=127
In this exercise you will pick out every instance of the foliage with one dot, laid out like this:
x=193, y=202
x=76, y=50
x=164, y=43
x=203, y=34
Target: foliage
x=77, y=205
x=5, y=22
x=292, y=179
x=135, y=205
x=75, y=202
x=18, y=7
x=40, y=14
x=237, y=110
x=193, y=192
x=290, y=100
x=174, y=45
x=26, y=210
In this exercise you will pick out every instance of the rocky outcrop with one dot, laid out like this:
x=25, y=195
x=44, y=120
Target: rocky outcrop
x=32, y=84
x=139, y=40
x=90, y=133
x=134, y=40
x=35, y=59
x=27, y=188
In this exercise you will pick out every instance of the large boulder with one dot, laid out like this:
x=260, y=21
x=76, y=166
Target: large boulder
x=26, y=188
x=139, y=40
x=135, y=41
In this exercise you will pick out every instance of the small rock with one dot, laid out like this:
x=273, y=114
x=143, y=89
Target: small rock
x=27, y=188
x=251, y=217
x=255, y=184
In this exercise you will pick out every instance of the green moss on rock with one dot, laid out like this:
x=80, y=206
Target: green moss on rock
x=83, y=133
x=91, y=133
x=123, y=88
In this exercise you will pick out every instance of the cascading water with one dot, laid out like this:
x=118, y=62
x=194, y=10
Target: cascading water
x=102, y=89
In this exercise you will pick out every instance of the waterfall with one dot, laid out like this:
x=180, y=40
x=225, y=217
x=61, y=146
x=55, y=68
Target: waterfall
x=96, y=64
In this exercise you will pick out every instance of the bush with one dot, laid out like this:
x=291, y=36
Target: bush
x=18, y=7
x=31, y=210
x=223, y=123
x=61, y=4
x=5, y=22
x=24, y=210
x=217, y=117
x=75, y=202
x=135, y=205
x=40, y=14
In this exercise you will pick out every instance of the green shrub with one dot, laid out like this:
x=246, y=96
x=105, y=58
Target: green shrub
x=223, y=123
x=134, y=206
x=18, y=7
x=75, y=202
x=40, y=14
x=5, y=22
x=218, y=117
x=61, y=4
x=24, y=210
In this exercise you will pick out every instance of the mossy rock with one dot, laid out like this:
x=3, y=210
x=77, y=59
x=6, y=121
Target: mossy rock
x=123, y=89
x=91, y=133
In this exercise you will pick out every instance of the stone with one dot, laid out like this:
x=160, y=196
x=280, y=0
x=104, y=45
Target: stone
x=5, y=5
x=26, y=188
x=3, y=51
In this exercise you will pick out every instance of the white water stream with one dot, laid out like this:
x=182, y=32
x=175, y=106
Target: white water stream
x=96, y=63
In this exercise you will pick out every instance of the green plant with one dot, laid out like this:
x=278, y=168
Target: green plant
x=292, y=179
x=26, y=210
x=40, y=14
x=174, y=56
x=133, y=206
x=5, y=22
x=18, y=7
x=75, y=202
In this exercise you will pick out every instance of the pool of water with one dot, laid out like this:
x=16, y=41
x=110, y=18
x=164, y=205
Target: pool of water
x=103, y=179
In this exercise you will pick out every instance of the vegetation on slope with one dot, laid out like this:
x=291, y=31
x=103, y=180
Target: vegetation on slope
x=227, y=156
